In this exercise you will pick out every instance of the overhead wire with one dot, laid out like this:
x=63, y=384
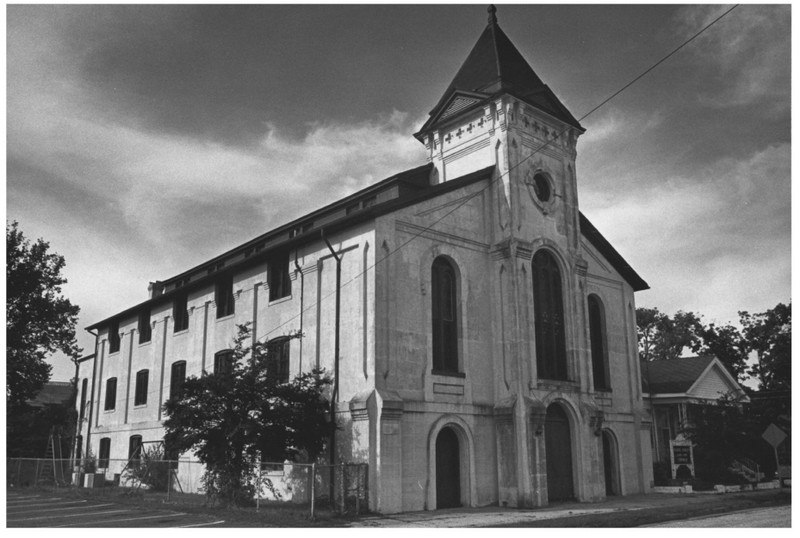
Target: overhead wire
x=500, y=176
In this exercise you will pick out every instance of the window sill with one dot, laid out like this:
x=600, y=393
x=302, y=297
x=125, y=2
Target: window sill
x=461, y=375
x=182, y=331
x=226, y=318
x=108, y=411
x=139, y=406
x=280, y=300
x=603, y=390
x=142, y=344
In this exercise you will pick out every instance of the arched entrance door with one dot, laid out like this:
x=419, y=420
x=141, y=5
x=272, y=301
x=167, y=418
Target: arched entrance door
x=610, y=464
x=558, y=447
x=448, y=470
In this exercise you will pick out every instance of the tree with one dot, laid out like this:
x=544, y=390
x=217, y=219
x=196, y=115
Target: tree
x=662, y=337
x=39, y=320
x=769, y=334
x=234, y=419
x=727, y=344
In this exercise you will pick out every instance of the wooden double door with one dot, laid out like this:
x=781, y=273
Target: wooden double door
x=558, y=450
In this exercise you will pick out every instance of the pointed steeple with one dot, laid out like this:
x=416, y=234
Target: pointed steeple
x=495, y=66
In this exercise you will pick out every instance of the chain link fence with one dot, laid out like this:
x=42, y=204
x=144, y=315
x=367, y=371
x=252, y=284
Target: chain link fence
x=341, y=488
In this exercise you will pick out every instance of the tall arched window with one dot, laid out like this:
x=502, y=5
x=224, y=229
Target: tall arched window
x=278, y=359
x=551, y=351
x=597, y=335
x=444, y=314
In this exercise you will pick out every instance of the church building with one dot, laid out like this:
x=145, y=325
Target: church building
x=488, y=351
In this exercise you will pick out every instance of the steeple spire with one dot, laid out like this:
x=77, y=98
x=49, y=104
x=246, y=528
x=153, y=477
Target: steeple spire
x=492, y=14
x=494, y=67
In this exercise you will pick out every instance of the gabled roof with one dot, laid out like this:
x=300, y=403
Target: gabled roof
x=680, y=377
x=614, y=258
x=495, y=66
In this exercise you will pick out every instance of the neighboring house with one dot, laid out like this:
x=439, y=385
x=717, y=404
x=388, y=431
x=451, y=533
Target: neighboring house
x=674, y=387
x=488, y=335
x=50, y=412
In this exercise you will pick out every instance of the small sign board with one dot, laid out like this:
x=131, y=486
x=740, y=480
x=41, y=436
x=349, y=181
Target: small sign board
x=774, y=435
x=681, y=455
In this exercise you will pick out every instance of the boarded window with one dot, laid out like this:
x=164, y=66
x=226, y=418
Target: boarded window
x=278, y=363
x=278, y=281
x=180, y=314
x=111, y=394
x=223, y=296
x=105, y=453
x=145, y=331
x=176, y=378
x=82, y=410
x=223, y=362
x=113, y=337
x=597, y=335
x=551, y=351
x=444, y=315
x=142, y=377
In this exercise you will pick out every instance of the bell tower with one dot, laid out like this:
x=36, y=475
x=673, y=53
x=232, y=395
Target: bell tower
x=498, y=113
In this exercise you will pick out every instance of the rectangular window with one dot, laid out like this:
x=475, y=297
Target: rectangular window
x=278, y=363
x=280, y=285
x=111, y=394
x=135, y=448
x=113, y=337
x=78, y=447
x=145, y=331
x=82, y=410
x=176, y=378
x=105, y=453
x=223, y=362
x=141, y=387
x=180, y=314
x=223, y=296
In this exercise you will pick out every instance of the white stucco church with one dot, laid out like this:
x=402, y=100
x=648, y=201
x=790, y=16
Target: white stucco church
x=488, y=335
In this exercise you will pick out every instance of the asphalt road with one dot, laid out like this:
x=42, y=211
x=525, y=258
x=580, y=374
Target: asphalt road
x=778, y=516
x=43, y=510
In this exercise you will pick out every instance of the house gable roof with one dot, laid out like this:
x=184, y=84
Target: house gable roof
x=690, y=377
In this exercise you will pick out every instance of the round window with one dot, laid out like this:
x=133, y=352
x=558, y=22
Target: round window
x=541, y=187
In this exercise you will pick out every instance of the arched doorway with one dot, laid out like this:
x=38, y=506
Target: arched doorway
x=558, y=449
x=610, y=468
x=448, y=469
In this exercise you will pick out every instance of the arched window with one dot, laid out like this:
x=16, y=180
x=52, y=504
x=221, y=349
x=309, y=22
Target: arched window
x=278, y=359
x=140, y=397
x=444, y=314
x=551, y=351
x=135, y=448
x=176, y=378
x=597, y=335
x=223, y=361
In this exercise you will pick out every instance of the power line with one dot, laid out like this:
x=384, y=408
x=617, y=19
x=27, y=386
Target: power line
x=493, y=181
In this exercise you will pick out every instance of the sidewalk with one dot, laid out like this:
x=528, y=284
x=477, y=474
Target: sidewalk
x=627, y=511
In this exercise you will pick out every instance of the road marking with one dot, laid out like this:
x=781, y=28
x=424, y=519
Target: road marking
x=26, y=499
x=17, y=497
x=107, y=523
x=203, y=524
x=68, y=515
x=51, y=504
x=56, y=509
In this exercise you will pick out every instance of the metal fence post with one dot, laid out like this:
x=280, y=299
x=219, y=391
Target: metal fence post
x=36, y=473
x=313, y=486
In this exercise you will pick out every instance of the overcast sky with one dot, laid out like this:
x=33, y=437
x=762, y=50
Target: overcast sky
x=143, y=140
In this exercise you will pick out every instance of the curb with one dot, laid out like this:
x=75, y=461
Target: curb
x=719, y=489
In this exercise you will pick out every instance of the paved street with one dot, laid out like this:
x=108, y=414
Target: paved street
x=779, y=516
x=43, y=510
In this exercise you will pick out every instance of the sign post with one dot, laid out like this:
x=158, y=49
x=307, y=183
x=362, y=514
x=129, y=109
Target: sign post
x=775, y=436
x=682, y=455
